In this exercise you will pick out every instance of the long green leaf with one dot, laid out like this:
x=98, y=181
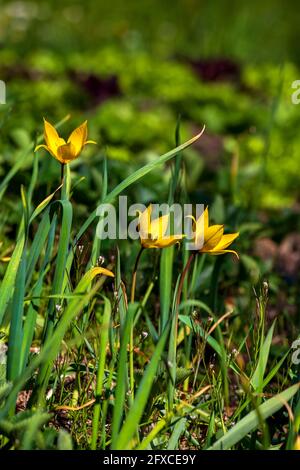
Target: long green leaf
x=8, y=283
x=16, y=324
x=178, y=430
x=258, y=376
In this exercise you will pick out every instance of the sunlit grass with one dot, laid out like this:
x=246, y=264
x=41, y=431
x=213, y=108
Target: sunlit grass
x=130, y=358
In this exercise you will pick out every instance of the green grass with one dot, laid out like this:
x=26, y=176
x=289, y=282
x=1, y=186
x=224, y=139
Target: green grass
x=131, y=391
x=149, y=359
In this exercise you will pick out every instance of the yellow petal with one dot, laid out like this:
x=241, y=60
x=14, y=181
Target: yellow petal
x=78, y=138
x=222, y=252
x=41, y=146
x=52, y=138
x=191, y=217
x=90, y=142
x=168, y=241
x=159, y=226
x=201, y=227
x=203, y=220
x=66, y=153
x=226, y=240
x=212, y=236
x=148, y=243
x=105, y=272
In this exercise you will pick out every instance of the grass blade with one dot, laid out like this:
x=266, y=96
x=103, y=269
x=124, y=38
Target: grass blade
x=122, y=375
x=123, y=440
x=8, y=283
x=251, y=421
x=258, y=376
x=100, y=371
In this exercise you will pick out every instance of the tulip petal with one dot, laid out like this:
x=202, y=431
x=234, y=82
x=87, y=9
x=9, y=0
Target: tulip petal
x=203, y=220
x=212, y=236
x=66, y=153
x=168, y=241
x=226, y=240
x=201, y=228
x=105, y=272
x=38, y=147
x=52, y=138
x=215, y=242
x=159, y=227
x=222, y=252
x=148, y=243
x=191, y=217
x=78, y=138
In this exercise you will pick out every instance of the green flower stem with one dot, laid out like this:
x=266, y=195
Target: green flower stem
x=65, y=181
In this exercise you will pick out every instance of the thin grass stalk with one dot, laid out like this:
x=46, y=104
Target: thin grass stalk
x=100, y=371
x=121, y=293
x=97, y=240
x=214, y=306
x=105, y=404
x=172, y=352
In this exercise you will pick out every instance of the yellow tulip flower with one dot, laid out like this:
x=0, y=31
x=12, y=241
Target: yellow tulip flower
x=153, y=232
x=64, y=151
x=213, y=238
